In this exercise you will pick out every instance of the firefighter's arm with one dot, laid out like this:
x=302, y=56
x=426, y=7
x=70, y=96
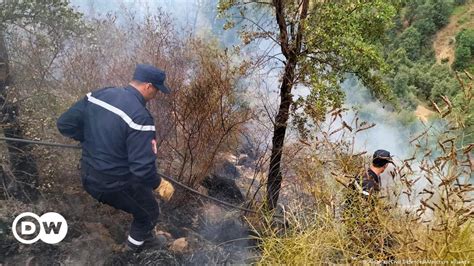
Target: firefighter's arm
x=368, y=186
x=142, y=156
x=71, y=122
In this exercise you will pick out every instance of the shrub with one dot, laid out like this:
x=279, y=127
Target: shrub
x=411, y=40
x=464, y=52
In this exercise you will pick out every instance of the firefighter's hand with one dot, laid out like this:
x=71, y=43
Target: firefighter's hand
x=165, y=190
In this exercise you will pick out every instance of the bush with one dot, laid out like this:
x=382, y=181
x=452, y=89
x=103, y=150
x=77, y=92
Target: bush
x=441, y=11
x=411, y=41
x=464, y=53
x=206, y=113
x=426, y=27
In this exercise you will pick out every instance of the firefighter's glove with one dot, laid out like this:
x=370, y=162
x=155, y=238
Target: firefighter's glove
x=165, y=190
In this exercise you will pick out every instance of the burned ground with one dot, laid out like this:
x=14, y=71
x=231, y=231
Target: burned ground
x=96, y=231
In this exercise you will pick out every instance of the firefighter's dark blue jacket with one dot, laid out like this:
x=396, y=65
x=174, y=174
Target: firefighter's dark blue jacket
x=118, y=136
x=370, y=182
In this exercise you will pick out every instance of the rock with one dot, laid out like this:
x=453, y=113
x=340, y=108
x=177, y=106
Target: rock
x=227, y=169
x=223, y=188
x=179, y=245
x=201, y=189
x=245, y=160
x=165, y=234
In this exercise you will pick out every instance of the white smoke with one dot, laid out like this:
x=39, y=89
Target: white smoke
x=390, y=133
x=393, y=131
x=184, y=11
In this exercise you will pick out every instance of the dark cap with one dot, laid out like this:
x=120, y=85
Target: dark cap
x=153, y=75
x=382, y=157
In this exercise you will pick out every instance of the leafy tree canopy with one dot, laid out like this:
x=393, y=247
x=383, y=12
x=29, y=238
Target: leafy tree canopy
x=339, y=37
x=55, y=16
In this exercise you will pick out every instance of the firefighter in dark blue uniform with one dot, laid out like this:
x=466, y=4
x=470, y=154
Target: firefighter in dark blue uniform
x=370, y=182
x=117, y=134
x=361, y=201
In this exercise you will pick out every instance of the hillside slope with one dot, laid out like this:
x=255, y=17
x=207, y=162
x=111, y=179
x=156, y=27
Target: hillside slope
x=444, y=42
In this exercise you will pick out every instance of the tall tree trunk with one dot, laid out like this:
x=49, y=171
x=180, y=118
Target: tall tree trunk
x=22, y=178
x=279, y=131
x=291, y=44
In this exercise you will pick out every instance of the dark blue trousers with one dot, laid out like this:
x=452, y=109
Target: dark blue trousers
x=135, y=199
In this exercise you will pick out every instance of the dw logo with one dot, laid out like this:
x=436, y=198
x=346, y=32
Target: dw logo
x=50, y=228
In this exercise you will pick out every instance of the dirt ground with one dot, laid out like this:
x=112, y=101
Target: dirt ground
x=444, y=42
x=423, y=113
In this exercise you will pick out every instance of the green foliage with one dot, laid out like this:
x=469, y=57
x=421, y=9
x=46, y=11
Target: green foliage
x=441, y=11
x=401, y=81
x=414, y=74
x=56, y=16
x=426, y=81
x=411, y=9
x=426, y=27
x=464, y=53
x=459, y=10
x=349, y=36
x=339, y=37
x=422, y=18
x=459, y=2
x=466, y=38
x=411, y=41
x=429, y=15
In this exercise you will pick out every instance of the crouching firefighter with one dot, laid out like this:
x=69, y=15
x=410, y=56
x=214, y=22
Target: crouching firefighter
x=117, y=134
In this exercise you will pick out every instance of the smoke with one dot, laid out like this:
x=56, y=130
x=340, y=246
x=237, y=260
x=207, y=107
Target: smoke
x=179, y=9
x=200, y=17
x=393, y=131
